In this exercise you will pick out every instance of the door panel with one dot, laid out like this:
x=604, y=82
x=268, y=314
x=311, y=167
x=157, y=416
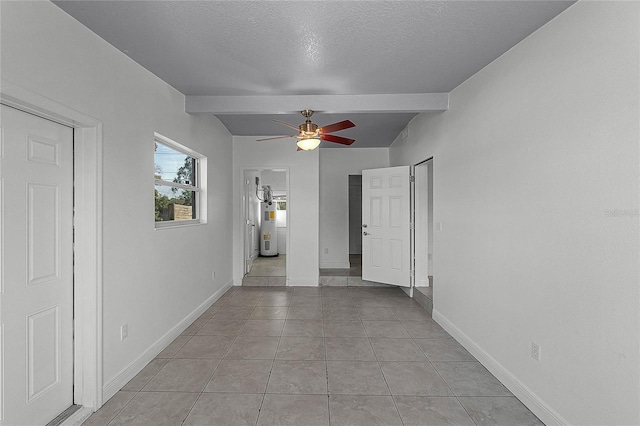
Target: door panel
x=43, y=339
x=42, y=232
x=376, y=213
x=386, y=226
x=37, y=240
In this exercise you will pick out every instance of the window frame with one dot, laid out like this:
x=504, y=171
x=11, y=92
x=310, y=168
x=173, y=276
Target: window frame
x=198, y=188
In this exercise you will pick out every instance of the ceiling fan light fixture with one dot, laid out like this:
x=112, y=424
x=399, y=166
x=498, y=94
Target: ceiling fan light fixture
x=308, y=144
x=309, y=134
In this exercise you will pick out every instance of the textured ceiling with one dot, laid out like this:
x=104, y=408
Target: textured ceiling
x=266, y=48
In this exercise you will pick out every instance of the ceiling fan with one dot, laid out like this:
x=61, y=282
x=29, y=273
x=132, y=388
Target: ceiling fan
x=310, y=134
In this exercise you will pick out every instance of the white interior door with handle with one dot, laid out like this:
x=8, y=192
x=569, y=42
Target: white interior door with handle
x=386, y=225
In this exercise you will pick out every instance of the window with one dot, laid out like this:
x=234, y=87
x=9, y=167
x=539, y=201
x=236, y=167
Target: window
x=179, y=195
x=281, y=202
x=281, y=208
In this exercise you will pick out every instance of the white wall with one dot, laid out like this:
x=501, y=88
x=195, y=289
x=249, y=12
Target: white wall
x=336, y=164
x=274, y=178
x=536, y=187
x=302, y=203
x=164, y=275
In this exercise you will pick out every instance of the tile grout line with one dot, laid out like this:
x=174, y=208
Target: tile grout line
x=326, y=358
x=264, y=393
x=212, y=373
x=444, y=381
x=272, y=361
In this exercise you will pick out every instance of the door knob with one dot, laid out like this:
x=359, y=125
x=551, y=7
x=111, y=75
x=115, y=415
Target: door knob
x=365, y=233
x=364, y=225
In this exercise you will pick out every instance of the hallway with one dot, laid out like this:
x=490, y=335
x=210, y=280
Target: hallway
x=314, y=356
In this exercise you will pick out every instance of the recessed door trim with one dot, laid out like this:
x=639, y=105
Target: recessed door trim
x=88, y=380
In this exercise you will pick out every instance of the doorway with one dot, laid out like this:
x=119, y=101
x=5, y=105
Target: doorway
x=265, y=208
x=355, y=225
x=423, y=193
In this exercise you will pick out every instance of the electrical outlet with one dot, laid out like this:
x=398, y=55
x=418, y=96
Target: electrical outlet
x=213, y=275
x=124, y=331
x=535, y=351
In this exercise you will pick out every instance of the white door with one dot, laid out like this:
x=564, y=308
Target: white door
x=251, y=207
x=249, y=224
x=36, y=179
x=386, y=217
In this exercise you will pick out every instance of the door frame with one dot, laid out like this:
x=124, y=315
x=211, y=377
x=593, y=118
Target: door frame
x=243, y=210
x=358, y=228
x=249, y=233
x=88, y=216
x=417, y=248
x=414, y=247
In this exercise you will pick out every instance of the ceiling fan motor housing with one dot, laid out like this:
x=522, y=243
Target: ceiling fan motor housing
x=308, y=128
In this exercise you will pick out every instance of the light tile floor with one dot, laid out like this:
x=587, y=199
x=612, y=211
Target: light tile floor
x=314, y=356
x=355, y=270
x=272, y=266
x=267, y=271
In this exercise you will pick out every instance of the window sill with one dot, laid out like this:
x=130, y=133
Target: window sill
x=178, y=224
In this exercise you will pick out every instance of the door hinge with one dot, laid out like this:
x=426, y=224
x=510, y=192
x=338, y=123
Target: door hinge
x=412, y=179
x=412, y=225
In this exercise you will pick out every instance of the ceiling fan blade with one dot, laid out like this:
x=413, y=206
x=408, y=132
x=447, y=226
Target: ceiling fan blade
x=291, y=126
x=275, y=137
x=330, y=128
x=337, y=139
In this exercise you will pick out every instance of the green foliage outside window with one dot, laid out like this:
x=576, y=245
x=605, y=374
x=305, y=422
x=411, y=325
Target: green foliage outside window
x=167, y=197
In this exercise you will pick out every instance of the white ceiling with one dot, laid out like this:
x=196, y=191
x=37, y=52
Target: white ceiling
x=299, y=54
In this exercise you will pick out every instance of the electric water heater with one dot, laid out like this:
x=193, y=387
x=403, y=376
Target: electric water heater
x=268, y=229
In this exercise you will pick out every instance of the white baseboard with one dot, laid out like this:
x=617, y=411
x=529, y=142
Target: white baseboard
x=292, y=282
x=532, y=401
x=130, y=371
x=335, y=265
